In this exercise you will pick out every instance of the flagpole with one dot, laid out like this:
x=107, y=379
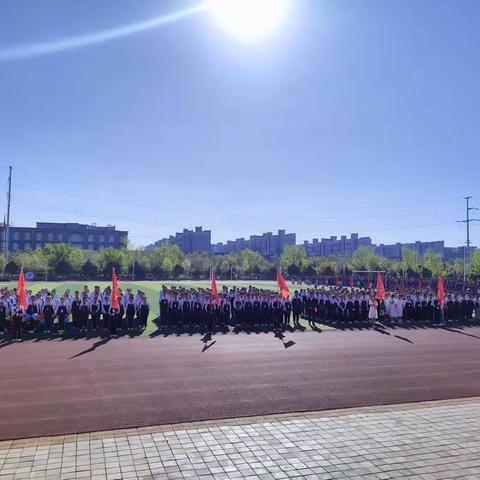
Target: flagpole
x=7, y=230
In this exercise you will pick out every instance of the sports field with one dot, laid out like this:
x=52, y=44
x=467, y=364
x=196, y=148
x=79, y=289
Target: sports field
x=151, y=289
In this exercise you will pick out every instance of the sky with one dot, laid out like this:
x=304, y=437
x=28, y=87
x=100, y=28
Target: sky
x=353, y=117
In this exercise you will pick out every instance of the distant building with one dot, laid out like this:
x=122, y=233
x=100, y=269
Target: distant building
x=268, y=244
x=457, y=253
x=86, y=237
x=189, y=241
x=394, y=251
x=333, y=246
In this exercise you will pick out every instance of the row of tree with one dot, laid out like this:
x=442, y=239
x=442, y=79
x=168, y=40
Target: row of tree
x=168, y=262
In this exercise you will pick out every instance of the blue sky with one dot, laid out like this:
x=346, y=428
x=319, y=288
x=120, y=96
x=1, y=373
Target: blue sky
x=355, y=117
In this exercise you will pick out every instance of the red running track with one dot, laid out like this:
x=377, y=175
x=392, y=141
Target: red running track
x=47, y=390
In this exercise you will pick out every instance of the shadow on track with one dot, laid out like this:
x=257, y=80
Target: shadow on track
x=93, y=347
x=460, y=332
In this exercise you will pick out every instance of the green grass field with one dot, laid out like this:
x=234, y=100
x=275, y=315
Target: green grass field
x=152, y=290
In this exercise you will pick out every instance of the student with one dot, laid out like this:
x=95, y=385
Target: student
x=84, y=314
x=48, y=313
x=130, y=311
x=106, y=316
x=116, y=317
x=95, y=310
x=3, y=316
x=296, y=308
x=373, y=310
x=144, y=311
x=62, y=314
x=17, y=320
x=75, y=310
x=31, y=315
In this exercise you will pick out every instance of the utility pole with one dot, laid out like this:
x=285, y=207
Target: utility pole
x=7, y=226
x=466, y=256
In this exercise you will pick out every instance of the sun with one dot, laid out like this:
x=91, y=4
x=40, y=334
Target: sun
x=250, y=21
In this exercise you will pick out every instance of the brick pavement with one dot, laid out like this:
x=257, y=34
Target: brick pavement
x=426, y=441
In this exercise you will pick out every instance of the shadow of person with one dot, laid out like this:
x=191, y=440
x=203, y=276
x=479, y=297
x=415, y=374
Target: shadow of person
x=93, y=347
x=6, y=343
x=404, y=339
x=453, y=330
x=206, y=346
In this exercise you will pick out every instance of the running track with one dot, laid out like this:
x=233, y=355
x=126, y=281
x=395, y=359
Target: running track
x=72, y=386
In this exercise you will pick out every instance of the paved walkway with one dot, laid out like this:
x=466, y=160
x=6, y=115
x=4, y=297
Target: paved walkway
x=426, y=441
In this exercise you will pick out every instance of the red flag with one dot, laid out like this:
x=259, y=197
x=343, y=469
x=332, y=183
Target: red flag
x=380, y=287
x=282, y=285
x=21, y=293
x=114, y=289
x=421, y=283
x=441, y=290
x=214, y=289
x=350, y=281
x=369, y=284
x=337, y=282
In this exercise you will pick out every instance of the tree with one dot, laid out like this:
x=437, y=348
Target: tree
x=113, y=258
x=250, y=261
x=410, y=261
x=165, y=258
x=433, y=262
x=364, y=259
x=89, y=269
x=63, y=258
x=63, y=268
x=293, y=256
x=475, y=264
x=12, y=267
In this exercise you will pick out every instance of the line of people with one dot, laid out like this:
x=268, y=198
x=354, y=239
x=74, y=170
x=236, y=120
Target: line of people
x=88, y=311
x=247, y=307
x=348, y=305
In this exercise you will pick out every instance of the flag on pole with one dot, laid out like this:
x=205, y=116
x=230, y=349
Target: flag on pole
x=214, y=289
x=338, y=283
x=282, y=284
x=369, y=284
x=421, y=283
x=380, y=287
x=441, y=290
x=21, y=292
x=350, y=281
x=114, y=289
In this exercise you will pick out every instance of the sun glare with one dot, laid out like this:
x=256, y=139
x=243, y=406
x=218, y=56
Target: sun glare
x=250, y=21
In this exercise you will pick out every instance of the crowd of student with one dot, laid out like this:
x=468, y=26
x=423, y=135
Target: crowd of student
x=87, y=311
x=237, y=306
x=253, y=306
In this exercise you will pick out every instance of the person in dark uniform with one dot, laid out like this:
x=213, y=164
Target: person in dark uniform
x=17, y=321
x=75, y=309
x=296, y=308
x=116, y=317
x=95, y=311
x=61, y=314
x=106, y=316
x=130, y=313
x=287, y=311
x=31, y=315
x=226, y=311
x=248, y=312
x=83, y=314
x=48, y=313
x=143, y=312
x=238, y=311
x=266, y=318
x=3, y=316
x=186, y=311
